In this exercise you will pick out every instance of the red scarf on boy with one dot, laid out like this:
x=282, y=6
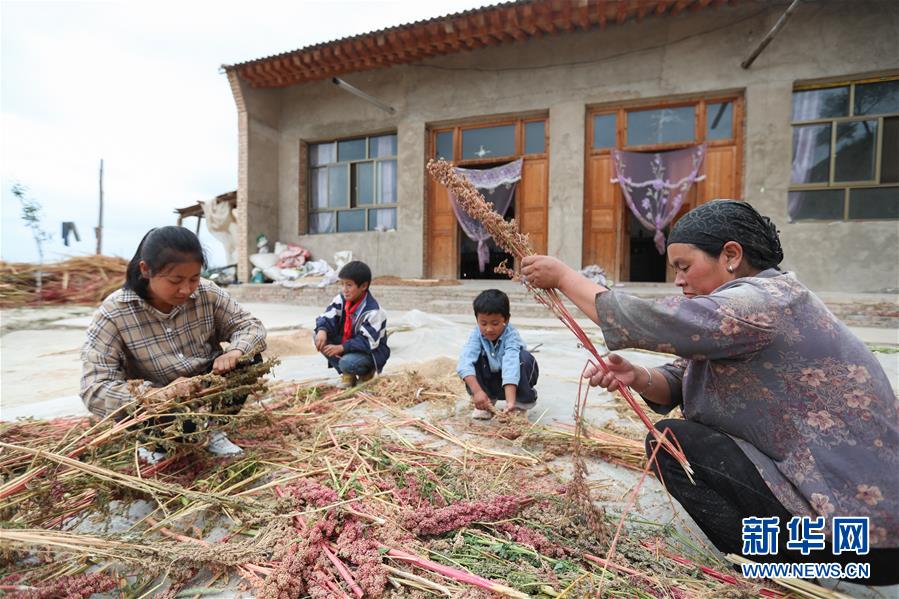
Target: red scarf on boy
x=348, y=320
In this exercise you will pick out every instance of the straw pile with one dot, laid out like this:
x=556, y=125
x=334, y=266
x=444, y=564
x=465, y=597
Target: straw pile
x=338, y=494
x=81, y=280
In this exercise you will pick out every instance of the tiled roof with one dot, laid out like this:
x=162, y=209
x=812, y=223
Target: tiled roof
x=507, y=22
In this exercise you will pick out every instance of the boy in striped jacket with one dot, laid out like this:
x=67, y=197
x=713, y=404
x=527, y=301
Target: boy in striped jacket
x=352, y=332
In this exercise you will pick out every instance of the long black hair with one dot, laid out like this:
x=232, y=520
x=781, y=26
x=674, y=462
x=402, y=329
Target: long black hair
x=159, y=248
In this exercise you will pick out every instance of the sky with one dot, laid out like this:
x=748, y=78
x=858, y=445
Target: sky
x=138, y=84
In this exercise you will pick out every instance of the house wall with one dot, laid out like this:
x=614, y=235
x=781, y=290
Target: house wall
x=691, y=53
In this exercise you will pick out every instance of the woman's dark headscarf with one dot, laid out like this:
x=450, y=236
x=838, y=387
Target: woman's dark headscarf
x=711, y=225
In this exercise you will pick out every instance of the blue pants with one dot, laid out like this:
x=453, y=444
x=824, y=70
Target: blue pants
x=492, y=382
x=357, y=363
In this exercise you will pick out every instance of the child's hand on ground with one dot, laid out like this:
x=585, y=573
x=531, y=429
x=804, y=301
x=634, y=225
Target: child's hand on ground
x=226, y=362
x=621, y=373
x=332, y=351
x=481, y=401
x=320, y=339
x=544, y=272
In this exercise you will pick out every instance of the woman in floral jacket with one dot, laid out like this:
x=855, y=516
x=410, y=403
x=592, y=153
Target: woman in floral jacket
x=786, y=412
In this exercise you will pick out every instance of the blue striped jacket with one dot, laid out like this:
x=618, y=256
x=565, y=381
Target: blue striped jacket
x=369, y=328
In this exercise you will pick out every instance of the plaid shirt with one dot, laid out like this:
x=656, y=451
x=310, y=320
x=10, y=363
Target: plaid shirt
x=130, y=339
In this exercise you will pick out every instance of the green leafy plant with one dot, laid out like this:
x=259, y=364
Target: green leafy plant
x=31, y=216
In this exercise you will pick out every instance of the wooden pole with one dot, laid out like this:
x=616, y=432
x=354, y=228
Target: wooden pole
x=99, y=230
x=767, y=39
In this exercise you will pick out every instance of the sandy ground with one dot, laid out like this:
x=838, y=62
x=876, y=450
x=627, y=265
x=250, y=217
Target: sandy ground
x=40, y=368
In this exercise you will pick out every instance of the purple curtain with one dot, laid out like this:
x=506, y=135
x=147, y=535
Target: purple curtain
x=497, y=185
x=656, y=184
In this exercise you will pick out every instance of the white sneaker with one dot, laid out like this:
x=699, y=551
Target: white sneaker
x=219, y=444
x=150, y=457
x=479, y=414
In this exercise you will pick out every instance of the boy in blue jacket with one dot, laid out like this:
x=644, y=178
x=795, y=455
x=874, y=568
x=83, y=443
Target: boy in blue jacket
x=352, y=332
x=494, y=362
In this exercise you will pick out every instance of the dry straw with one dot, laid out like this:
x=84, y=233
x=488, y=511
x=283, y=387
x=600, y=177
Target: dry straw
x=509, y=238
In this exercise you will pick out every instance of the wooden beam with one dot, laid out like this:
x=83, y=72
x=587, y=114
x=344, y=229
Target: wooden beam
x=564, y=21
x=642, y=10
x=601, y=8
x=621, y=13
x=662, y=6
x=582, y=15
x=527, y=20
x=681, y=4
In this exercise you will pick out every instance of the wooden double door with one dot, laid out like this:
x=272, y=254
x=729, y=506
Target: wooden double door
x=612, y=237
x=485, y=145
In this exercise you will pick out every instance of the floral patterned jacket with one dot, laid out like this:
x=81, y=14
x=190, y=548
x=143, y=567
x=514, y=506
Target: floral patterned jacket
x=763, y=360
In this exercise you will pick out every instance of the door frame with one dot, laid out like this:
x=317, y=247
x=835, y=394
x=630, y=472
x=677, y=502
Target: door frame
x=699, y=192
x=457, y=127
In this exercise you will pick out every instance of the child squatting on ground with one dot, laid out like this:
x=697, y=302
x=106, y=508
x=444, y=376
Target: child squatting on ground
x=494, y=362
x=166, y=324
x=352, y=332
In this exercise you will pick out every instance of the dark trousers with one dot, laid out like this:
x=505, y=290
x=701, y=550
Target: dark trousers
x=492, y=382
x=729, y=488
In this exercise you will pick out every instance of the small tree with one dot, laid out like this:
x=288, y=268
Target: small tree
x=31, y=215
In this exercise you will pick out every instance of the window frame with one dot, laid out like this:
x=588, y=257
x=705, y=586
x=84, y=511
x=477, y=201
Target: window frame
x=845, y=186
x=351, y=196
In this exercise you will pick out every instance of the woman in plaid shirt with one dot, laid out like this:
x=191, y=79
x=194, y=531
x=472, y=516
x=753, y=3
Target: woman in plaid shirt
x=166, y=323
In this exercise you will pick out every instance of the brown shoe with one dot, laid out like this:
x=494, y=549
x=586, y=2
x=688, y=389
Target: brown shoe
x=364, y=378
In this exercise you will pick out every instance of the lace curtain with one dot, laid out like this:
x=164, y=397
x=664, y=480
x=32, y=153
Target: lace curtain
x=656, y=184
x=497, y=185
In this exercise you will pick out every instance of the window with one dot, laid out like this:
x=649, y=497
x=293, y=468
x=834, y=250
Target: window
x=492, y=143
x=352, y=185
x=846, y=152
x=641, y=128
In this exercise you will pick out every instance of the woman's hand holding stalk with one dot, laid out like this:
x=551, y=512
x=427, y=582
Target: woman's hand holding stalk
x=546, y=272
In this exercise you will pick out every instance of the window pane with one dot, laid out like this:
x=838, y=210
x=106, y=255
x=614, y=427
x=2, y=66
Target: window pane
x=811, y=154
x=363, y=183
x=350, y=220
x=338, y=186
x=322, y=153
x=535, y=137
x=318, y=186
x=382, y=146
x=719, y=121
x=386, y=182
x=322, y=222
x=488, y=142
x=351, y=149
x=603, y=131
x=825, y=204
x=855, y=151
x=877, y=98
x=660, y=126
x=445, y=145
x=382, y=220
x=879, y=202
x=820, y=103
x=889, y=158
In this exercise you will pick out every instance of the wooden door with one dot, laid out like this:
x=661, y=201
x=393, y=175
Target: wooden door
x=531, y=197
x=606, y=235
x=441, y=238
x=532, y=204
x=602, y=215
